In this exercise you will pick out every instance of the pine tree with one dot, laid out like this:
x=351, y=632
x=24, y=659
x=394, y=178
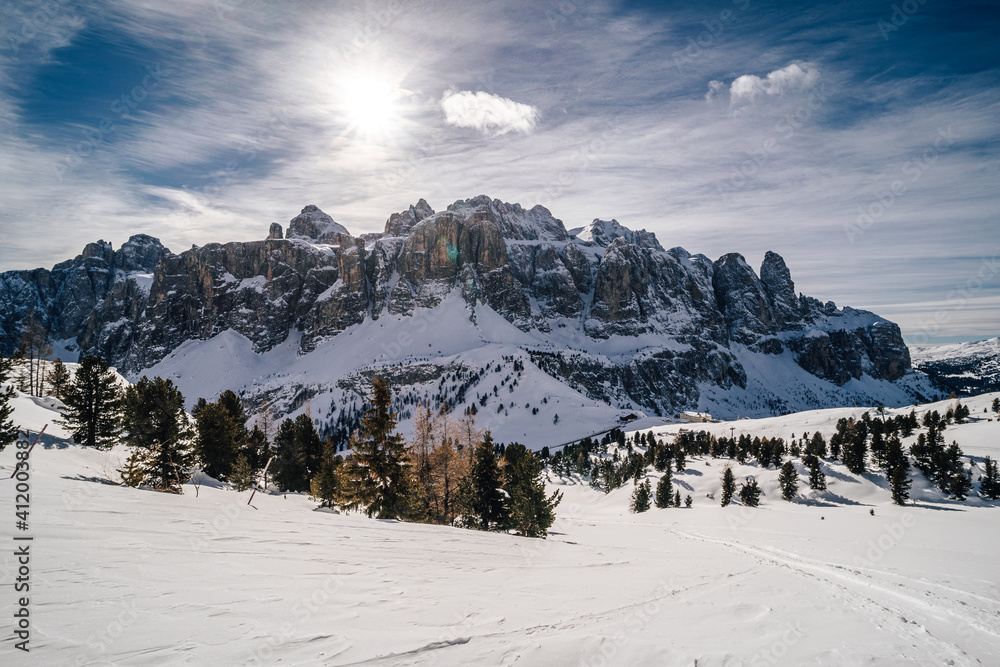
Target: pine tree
x=93, y=404
x=154, y=420
x=677, y=498
x=817, y=446
x=59, y=378
x=243, y=474
x=326, y=483
x=679, y=460
x=855, y=449
x=728, y=486
x=995, y=405
x=133, y=471
x=817, y=479
x=8, y=432
x=218, y=441
x=750, y=493
x=899, y=484
x=484, y=505
x=664, y=490
x=789, y=480
x=289, y=471
x=989, y=483
x=894, y=454
x=379, y=474
x=640, y=497
x=878, y=449
x=960, y=483
x=688, y=501
x=531, y=511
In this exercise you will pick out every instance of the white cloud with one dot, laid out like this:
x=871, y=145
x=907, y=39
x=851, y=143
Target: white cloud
x=714, y=88
x=791, y=77
x=490, y=114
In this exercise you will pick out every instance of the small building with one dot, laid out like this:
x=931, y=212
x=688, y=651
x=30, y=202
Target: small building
x=625, y=419
x=695, y=417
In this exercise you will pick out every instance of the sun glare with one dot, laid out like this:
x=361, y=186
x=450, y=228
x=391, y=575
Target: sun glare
x=369, y=103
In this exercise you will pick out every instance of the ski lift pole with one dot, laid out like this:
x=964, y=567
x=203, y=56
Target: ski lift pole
x=30, y=448
x=263, y=476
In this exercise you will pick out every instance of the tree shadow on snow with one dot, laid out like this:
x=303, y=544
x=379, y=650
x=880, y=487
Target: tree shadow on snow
x=91, y=478
x=50, y=441
x=830, y=472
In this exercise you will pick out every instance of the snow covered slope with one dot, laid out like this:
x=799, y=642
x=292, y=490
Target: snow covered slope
x=125, y=576
x=457, y=354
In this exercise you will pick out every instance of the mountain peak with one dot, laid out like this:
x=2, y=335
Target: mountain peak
x=514, y=222
x=399, y=224
x=312, y=224
x=603, y=232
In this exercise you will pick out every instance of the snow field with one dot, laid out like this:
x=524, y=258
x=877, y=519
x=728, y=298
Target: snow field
x=126, y=576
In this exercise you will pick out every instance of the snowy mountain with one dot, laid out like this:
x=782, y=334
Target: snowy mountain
x=484, y=304
x=964, y=368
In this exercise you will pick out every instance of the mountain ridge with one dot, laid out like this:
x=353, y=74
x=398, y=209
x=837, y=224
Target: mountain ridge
x=687, y=322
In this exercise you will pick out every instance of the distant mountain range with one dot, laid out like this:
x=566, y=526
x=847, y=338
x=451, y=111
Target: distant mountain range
x=484, y=304
x=964, y=368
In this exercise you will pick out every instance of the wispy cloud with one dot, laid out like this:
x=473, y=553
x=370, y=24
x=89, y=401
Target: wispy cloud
x=583, y=110
x=490, y=114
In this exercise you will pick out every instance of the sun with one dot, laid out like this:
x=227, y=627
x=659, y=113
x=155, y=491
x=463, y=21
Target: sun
x=369, y=103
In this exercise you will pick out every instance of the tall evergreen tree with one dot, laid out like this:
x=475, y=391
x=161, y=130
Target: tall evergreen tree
x=298, y=453
x=989, y=483
x=894, y=454
x=8, y=432
x=677, y=497
x=219, y=440
x=531, y=511
x=899, y=484
x=93, y=403
x=789, y=480
x=817, y=479
x=154, y=420
x=289, y=467
x=855, y=449
x=326, y=483
x=481, y=497
x=960, y=482
x=664, y=489
x=817, y=446
x=640, y=497
x=728, y=486
x=378, y=475
x=878, y=449
x=750, y=492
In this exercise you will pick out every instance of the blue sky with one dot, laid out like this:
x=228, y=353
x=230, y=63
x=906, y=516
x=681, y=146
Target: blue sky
x=857, y=139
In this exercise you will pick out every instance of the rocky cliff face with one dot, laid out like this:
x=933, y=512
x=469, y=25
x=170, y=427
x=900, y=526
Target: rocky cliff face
x=688, y=316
